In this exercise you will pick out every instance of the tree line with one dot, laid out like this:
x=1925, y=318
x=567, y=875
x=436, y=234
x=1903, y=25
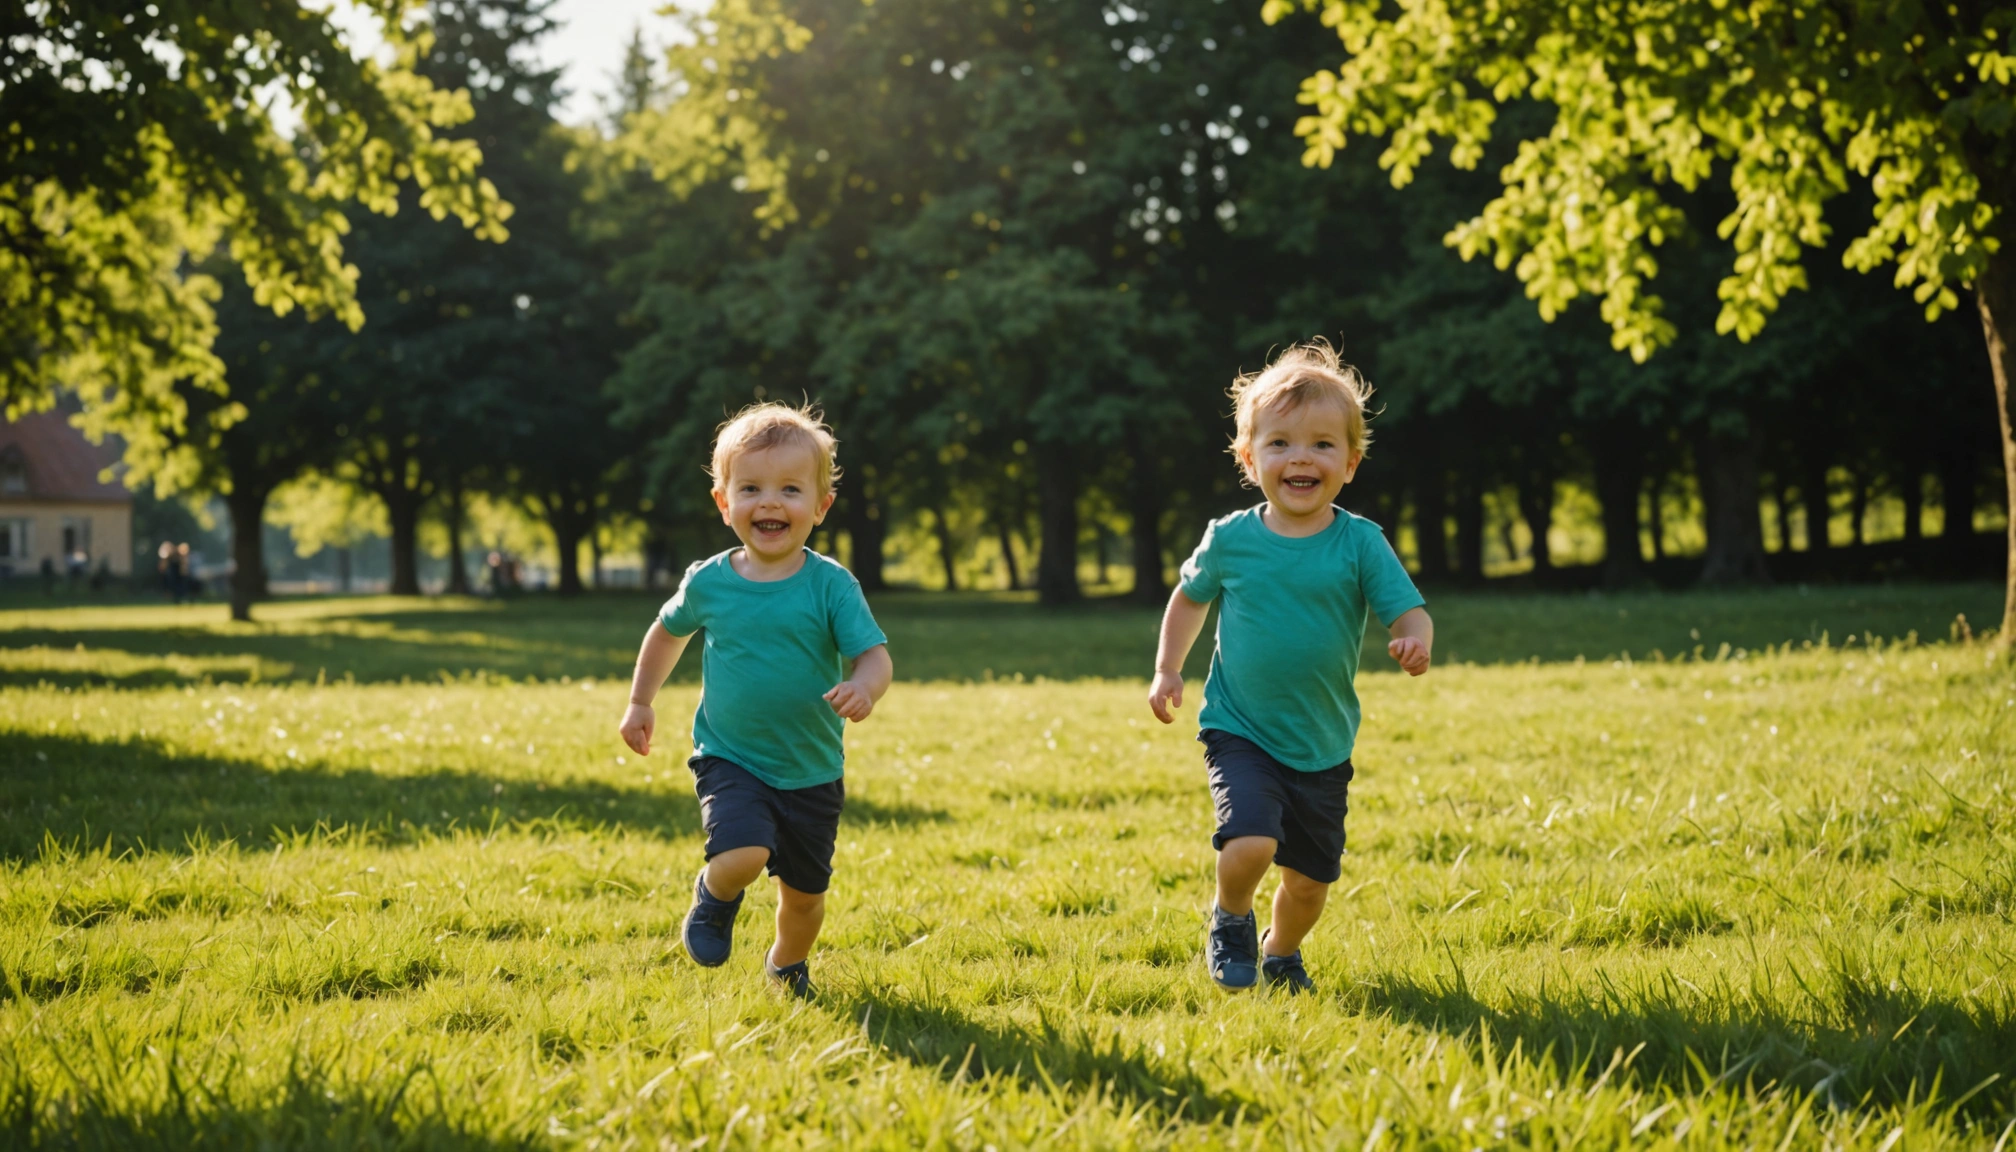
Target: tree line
x=1016, y=251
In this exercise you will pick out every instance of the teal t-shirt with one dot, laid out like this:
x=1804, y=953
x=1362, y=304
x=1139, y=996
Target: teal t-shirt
x=770, y=653
x=1291, y=621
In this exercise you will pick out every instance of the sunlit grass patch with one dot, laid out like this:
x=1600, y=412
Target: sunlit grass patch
x=1756, y=900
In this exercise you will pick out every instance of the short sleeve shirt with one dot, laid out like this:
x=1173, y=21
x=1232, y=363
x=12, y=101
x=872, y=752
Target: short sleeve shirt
x=771, y=650
x=1291, y=622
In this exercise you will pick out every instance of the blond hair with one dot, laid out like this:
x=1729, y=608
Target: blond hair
x=1307, y=373
x=769, y=425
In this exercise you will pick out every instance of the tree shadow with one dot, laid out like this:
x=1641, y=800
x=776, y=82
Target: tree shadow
x=1901, y=1048
x=138, y=794
x=304, y=1112
x=1051, y=1058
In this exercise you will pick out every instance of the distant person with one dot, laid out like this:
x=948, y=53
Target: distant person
x=791, y=650
x=1294, y=578
x=164, y=568
x=495, y=565
x=183, y=575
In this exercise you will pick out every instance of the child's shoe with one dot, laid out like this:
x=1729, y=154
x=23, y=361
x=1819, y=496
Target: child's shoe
x=1232, y=951
x=1285, y=972
x=709, y=931
x=794, y=979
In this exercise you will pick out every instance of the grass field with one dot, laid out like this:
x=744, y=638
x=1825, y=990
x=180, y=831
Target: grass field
x=375, y=873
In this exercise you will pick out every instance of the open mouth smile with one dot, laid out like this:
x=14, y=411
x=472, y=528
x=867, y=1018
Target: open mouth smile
x=1301, y=483
x=770, y=526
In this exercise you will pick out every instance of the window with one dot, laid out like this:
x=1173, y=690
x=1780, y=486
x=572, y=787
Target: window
x=13, y=541
x=77, y=539
x=13, y=472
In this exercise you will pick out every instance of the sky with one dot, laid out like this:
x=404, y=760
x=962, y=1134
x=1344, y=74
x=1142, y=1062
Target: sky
x=590, y=44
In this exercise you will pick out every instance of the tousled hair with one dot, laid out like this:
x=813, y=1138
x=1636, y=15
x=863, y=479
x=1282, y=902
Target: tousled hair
x=768, y=425
x=1307, y=373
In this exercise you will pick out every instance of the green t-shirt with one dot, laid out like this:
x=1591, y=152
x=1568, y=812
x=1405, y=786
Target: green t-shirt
x=771, y=651
x=1291, y=621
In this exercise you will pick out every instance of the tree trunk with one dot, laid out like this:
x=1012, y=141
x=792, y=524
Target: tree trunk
x=1470, y=528
x=458, y=570
x=1057, y=504
x=1536, y=504
x=1858, y=507
x=1619, y=471
x=1431, y=540
x=1735, y=526
x=1819, y=509
x=247, y=503
x=1655, y=515
x=1912, y=486
x=1783, y=504
x=567, y=525
x=1008, y=553
x=595, y=553
x=402, y=509
x=865, y=531
x=1956, y=503
x=1145, y=511
x=1997, y=295
x=946, y=559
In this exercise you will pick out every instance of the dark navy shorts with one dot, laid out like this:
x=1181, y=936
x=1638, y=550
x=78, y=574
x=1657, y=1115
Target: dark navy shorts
x=797, y=825
x=1257, y=795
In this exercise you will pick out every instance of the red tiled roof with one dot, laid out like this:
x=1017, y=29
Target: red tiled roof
x=61, y=464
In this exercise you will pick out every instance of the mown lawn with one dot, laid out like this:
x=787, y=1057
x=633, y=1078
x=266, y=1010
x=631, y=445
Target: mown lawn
x=372, y=875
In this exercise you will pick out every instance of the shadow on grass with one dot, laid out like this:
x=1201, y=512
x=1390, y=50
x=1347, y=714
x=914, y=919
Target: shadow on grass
x=305, y=1112
x=1053, y=1057
x=138, y=795
x=1901, y=1048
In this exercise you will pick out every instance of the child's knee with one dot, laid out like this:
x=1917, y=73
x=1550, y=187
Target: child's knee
x=1301, y=887
x=1250, y=847
x=799, y=903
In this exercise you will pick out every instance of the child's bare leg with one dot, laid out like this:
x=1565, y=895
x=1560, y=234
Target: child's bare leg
x=1241, y=863
x=1297, y=904
x=799, y=915
x=728, y=873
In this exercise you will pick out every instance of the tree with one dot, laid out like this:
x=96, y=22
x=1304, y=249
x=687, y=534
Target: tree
x=141, y=138
x=1774, y=105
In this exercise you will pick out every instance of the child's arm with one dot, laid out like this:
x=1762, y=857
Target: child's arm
x=655, y=661
x=1181, y=622
x=855, y=697
x=1413, y=639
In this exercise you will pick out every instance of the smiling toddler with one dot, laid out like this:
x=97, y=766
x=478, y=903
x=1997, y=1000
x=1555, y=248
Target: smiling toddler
x=790, y=651
x=1294, y=579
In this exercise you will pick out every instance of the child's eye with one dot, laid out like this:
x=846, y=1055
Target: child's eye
x=790, y=489
x=1324, y=444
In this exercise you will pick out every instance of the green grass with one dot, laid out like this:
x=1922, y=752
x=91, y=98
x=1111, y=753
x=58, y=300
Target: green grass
x=1758, y=897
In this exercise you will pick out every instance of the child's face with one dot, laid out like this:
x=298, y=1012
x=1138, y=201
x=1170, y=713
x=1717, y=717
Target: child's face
x=1300, y=457
x=772, y=499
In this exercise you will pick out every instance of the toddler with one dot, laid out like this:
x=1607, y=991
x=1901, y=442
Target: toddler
x=790, y=650
x=1294, y=578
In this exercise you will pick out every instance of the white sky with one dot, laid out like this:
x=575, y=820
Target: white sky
x=590, y=44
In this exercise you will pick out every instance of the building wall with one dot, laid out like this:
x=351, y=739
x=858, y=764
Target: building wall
x=111, y=534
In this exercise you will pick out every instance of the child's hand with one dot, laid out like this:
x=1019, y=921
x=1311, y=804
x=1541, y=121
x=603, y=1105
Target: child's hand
x=851, y=701
x=639, y=721
x=1411, y=652
x=1166, y=693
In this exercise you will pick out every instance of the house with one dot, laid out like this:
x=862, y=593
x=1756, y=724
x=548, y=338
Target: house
x=54, y=506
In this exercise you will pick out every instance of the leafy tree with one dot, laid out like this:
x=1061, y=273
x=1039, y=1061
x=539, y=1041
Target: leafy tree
x=141, y=138
x=1773, y=104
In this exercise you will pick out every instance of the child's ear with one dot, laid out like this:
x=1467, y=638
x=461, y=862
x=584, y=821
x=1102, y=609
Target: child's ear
x=825, y=506
x=721, y=502
x=1244, y=454
x=1351, y=463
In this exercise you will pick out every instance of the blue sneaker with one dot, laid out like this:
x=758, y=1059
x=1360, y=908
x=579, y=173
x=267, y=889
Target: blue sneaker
x=1285, y=972
x=709, y=931
x=1232, y=951
x=794, y=979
